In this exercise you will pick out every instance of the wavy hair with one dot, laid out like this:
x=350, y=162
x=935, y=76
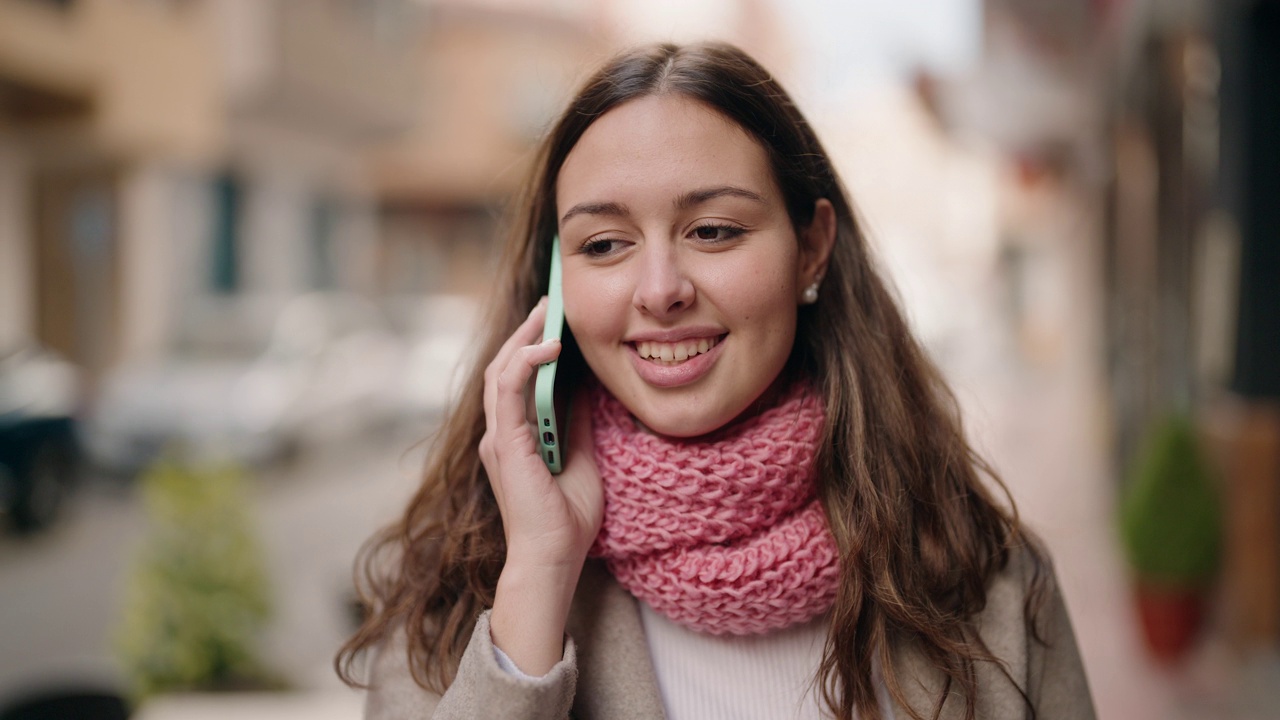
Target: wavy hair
x=920, y=532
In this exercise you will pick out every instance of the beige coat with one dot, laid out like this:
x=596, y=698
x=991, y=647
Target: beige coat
x=606, y=672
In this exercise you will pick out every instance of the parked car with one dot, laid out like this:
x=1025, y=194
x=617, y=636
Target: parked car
x=323, y=372
x=38, y=449
x=439, y=331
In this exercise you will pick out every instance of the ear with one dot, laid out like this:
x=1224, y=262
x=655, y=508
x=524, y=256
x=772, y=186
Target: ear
x=816, y=242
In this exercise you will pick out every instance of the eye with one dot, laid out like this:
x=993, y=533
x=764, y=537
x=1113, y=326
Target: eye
x=717, y=233
x=599, y=247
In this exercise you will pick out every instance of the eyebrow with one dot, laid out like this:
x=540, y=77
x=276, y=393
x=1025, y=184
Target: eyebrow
x=697, y=197
x=685, y=201
x=596, y=208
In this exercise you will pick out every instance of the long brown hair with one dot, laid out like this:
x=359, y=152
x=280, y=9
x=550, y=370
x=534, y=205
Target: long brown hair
x=920, y=533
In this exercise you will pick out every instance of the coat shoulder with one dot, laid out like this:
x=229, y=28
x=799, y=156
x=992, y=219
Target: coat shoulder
x=1036, y=672
x=1027, y=627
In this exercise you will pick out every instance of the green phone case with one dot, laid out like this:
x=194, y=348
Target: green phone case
x=550, y=442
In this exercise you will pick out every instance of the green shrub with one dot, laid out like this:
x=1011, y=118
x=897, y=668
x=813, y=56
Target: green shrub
x=1170, y=514
x=197, y=600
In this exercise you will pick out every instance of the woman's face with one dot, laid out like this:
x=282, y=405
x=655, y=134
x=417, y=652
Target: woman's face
x=682, y=272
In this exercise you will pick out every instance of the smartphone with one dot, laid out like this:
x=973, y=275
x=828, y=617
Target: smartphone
x=550, y=435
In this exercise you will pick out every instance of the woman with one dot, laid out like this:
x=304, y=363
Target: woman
x=760, y=453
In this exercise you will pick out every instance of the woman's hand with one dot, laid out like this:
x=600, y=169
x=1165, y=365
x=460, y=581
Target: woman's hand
x=549, y=521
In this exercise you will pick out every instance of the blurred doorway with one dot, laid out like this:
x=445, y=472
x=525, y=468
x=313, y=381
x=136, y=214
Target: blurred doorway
x=77, y=274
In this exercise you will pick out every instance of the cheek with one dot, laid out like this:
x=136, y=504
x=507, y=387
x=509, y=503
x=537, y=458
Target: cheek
x=594, y=308
x=762, y=293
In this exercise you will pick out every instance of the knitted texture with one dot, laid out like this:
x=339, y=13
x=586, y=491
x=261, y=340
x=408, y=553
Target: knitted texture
x=722, y=534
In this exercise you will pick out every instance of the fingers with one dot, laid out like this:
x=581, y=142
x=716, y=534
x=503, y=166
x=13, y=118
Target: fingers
x=526, y=334
x=529, y=332
x=507, y=437
x=510, y=402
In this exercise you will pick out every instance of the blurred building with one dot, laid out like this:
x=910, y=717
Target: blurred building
x=93, y=96
x=1156, y=121
x=160, y=158
x=495, y=75
x=1192, y=254
x=309, y=89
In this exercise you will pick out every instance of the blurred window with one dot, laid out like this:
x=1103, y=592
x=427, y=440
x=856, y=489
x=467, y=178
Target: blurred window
x=59, y=4
x=226, y=235
x=388, y=22
x=324, y=214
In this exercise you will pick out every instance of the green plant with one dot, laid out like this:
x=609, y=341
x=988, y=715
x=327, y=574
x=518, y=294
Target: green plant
x=1170, y=515
x=198, y=598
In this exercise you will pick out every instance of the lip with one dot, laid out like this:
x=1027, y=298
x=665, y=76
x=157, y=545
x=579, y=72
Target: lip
x=676, y=334
x=689, y=371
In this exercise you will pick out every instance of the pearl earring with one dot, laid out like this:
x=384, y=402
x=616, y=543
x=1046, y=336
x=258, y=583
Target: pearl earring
x=810, y=294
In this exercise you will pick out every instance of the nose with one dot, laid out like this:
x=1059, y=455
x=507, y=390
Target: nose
x=662, y=289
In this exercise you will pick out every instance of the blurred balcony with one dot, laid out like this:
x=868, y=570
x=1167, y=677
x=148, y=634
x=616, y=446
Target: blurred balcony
x=344, y=70
x=495, y=76
x=108, y=78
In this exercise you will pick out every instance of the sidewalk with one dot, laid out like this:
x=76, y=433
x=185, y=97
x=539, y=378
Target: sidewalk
x=258, y=706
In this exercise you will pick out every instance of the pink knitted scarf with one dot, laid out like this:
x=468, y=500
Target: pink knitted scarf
x=723, y=534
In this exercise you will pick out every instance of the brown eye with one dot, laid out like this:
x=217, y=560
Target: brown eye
x=717, y=233
x=598, y=247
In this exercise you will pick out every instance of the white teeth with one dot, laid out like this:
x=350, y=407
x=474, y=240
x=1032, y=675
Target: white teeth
x=674, y=352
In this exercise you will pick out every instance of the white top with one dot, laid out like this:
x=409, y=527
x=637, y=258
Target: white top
x=735, y=677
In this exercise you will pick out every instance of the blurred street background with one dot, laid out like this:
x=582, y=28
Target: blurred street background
x=245, y=244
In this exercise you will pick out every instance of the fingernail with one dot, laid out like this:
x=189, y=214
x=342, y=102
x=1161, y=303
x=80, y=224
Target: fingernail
x=551, y=341
x=542, y=301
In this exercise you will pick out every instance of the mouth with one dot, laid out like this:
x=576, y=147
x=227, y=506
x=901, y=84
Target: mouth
x=674, y=353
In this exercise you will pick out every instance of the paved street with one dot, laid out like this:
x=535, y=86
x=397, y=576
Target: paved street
x=61, y=591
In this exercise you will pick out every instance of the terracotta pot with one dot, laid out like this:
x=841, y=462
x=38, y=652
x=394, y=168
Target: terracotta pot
x=1171, y=619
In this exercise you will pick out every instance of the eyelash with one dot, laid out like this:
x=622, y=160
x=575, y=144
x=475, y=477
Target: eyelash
x=730, y=232
x=586, y=248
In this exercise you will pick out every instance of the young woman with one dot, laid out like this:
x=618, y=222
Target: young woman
x=768, y=508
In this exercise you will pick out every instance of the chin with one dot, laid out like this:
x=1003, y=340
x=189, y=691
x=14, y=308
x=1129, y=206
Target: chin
x=676, y=423
x=677, y=429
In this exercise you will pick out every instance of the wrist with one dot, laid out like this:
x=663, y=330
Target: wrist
x=530, y=611
x=544, y=592
x=533, y=563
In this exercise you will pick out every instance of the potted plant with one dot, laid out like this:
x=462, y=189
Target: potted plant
x=1171, y=526
x=198, y=598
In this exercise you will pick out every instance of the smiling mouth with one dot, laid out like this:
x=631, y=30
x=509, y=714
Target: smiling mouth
x=661, y=353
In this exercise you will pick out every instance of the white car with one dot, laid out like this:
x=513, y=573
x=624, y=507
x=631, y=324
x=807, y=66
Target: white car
x=326, y=370
x=440, y=332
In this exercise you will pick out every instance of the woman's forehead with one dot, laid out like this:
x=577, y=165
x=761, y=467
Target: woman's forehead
x=666, y=145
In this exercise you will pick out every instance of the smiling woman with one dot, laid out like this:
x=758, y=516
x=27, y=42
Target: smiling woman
x=768, y=508
x=683, y=270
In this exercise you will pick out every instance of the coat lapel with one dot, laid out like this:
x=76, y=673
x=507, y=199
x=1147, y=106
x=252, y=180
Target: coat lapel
x=615, y=675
